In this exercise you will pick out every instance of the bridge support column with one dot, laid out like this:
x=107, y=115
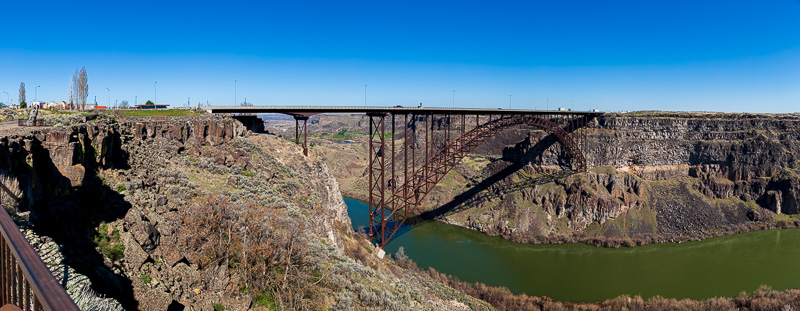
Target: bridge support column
x=377, y=178
x=297, y=119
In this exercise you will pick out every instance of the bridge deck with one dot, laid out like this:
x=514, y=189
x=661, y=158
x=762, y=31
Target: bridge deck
x=311, y=110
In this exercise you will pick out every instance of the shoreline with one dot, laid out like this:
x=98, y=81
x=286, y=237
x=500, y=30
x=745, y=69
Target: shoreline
x=579, y=237
x=503, y=298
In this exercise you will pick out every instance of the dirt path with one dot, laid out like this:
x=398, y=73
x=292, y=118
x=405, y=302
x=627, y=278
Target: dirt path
x=8, y=125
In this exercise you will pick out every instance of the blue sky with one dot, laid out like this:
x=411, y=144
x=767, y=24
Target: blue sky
x=609, y=55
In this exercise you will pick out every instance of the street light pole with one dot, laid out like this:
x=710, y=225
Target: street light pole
x=509, y=101
x=454, y=98
x=108, y=97
x=234, y=92
x=35, y=93
x=365, y=95
x=155, y=94
x=8, y=98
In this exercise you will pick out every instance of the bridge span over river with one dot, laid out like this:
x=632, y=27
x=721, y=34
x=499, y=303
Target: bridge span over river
x=398, y=179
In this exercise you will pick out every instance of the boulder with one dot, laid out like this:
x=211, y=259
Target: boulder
x=134, y=254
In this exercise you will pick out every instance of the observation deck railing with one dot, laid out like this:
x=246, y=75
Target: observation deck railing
x=25, y=281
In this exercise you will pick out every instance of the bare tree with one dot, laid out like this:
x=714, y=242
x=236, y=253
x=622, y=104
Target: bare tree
x=73, y=95
x=71, y=103
x=22, y=102
x=80, y=88
x=123, y=104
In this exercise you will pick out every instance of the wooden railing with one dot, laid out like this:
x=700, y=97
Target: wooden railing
x=25, y=281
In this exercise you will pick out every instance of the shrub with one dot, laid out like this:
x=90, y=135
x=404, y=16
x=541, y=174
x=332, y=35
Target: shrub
x=343, y=302
x=146, y=278
x=401, y=254
x=86, y=299
x=274, y=259
x=117, y=251
x=109, y=245
x=264, y=299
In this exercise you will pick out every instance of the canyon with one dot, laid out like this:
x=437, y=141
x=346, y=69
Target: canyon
x=200, y=213
x=653, y=177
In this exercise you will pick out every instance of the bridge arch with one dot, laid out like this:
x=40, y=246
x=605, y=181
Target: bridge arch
x=385, y=219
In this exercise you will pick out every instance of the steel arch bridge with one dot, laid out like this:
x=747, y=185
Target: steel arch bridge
x=397, y=184
x=388, y=214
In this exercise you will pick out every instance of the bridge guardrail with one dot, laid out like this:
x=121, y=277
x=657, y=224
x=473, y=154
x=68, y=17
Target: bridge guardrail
x=25, y=281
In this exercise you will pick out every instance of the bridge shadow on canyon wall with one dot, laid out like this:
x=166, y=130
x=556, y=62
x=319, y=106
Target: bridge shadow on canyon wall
x=68, y=214
x=517, y=161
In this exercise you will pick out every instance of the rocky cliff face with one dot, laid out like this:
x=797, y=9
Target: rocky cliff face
x=64, y=176
x=199, y=214
x=657, y=176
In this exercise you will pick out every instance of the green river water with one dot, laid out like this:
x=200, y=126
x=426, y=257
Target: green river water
x=722, y=266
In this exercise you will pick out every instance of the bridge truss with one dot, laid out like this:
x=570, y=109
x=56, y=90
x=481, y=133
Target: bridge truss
x=397, y=184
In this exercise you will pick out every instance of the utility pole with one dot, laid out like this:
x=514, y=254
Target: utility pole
x=509, y=101
x=454, y=98
x=155, y=94
x=234, y=92
x=365, y=95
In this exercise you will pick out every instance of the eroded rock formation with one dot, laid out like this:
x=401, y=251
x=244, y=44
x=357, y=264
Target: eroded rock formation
x=200, y=214
x=667, y=175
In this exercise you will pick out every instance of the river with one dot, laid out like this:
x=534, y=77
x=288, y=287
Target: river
x=722, y=266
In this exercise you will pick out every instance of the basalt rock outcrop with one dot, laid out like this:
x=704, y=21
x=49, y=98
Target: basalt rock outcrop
x=200, y=214
x=664, y=175
x=58, y=173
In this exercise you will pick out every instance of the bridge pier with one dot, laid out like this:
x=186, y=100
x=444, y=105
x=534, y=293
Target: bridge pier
x=377, y=177
x=297, y=119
